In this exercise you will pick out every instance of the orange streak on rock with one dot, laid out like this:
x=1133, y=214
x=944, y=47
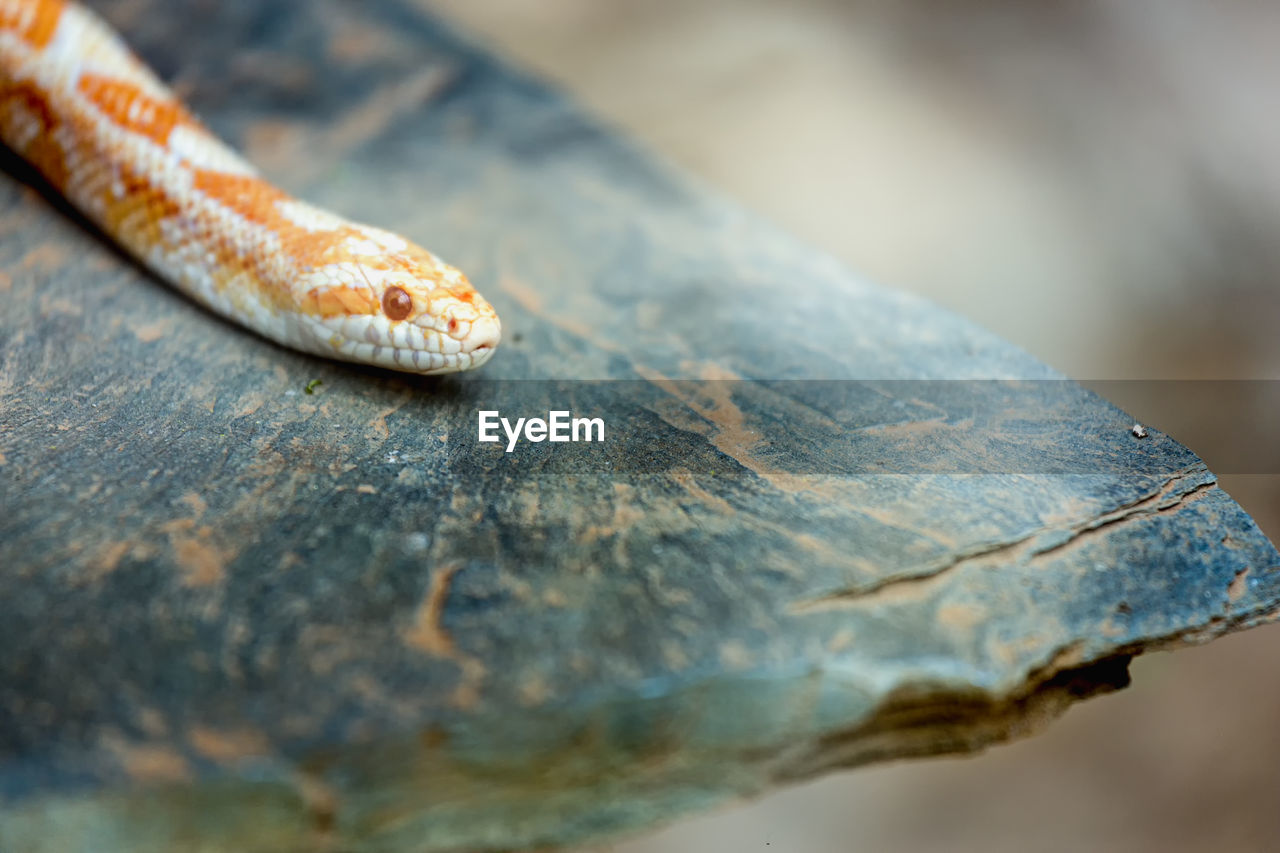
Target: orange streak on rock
x=227, y=746
x=148, y=762
x=427, y=634
x=202, y=564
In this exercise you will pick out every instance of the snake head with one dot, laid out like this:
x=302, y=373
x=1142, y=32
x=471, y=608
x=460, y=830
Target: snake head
x=404, y=310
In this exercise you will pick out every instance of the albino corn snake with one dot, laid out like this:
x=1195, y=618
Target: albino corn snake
x=108, y=135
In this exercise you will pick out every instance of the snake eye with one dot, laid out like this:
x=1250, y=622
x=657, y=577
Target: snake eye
x=396, y=304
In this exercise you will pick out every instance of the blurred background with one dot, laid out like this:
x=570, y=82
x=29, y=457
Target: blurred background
x=1098, y=183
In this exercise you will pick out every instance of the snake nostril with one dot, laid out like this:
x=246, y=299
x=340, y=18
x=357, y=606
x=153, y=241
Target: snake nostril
x=453, y=325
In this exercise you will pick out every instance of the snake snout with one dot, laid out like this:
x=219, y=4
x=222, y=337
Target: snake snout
x=485, y=333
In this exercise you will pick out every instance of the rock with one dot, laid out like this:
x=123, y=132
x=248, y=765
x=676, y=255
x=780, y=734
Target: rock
x=828, y=523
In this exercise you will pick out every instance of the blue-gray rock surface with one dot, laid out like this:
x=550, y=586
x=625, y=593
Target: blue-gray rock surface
x=829, y=523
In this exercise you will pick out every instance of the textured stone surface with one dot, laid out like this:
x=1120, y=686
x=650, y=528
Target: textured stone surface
x=242, y=616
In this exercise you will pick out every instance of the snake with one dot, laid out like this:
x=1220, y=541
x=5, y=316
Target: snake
x=108, y=135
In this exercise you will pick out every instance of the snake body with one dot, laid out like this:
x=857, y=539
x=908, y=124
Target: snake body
x=117, y=143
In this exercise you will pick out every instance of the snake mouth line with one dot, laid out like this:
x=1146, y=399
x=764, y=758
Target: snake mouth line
x=421, y=361
x=472, y=351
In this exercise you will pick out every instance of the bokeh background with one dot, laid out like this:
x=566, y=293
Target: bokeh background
x=1096, y=182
